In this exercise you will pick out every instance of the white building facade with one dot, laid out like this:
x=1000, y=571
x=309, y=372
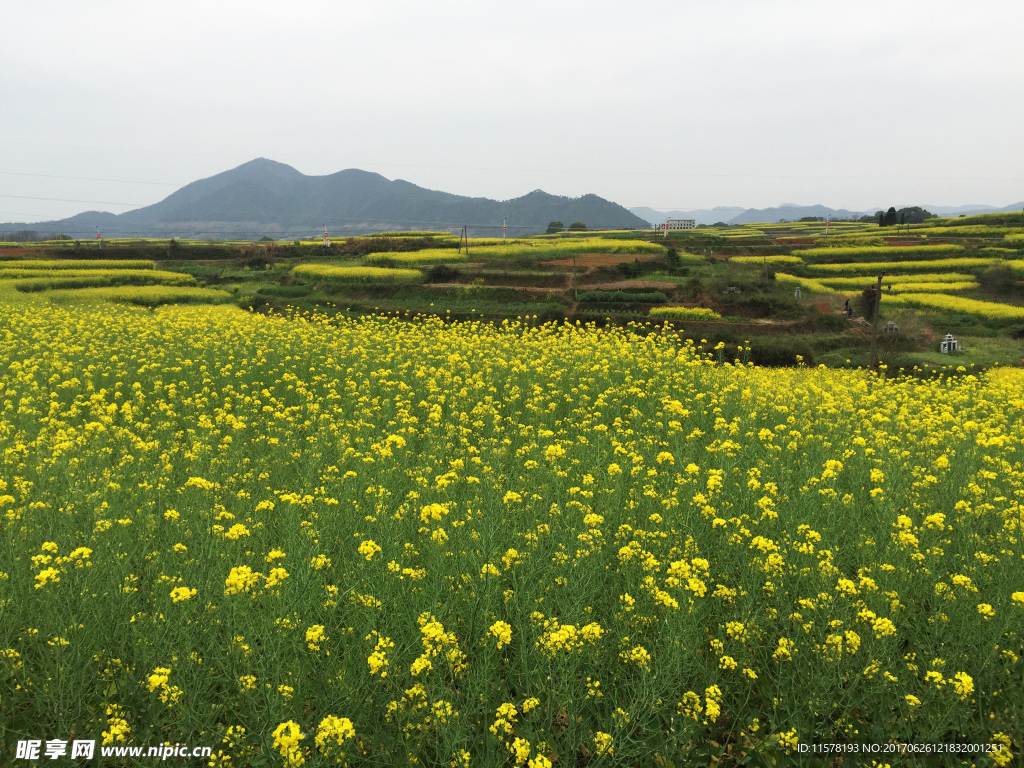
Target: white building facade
x=680, y=224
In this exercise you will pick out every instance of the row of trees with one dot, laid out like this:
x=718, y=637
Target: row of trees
x=31, y=235
x=912, y=215
x=556, y=226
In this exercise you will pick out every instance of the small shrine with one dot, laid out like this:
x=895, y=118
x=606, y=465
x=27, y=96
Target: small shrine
x=796, y=293
x=949, y=344
x=891, y=327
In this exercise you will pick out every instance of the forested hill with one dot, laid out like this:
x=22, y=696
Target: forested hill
x=264, y=197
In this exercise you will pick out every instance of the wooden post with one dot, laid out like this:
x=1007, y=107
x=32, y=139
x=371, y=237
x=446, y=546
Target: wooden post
x=874, y=334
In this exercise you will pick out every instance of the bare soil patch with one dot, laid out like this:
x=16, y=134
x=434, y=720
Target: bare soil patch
x=591, y=260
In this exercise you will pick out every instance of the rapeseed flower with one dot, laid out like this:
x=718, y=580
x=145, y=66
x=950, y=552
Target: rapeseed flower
x=368, y=549
x=178, y=594
x=286, y=741
x=501, y=632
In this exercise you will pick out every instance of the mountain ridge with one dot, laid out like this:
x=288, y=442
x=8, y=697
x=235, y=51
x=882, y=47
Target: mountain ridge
x=265, y=197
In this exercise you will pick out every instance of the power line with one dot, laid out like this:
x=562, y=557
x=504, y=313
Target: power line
x=589, y=172
x=91, y=178
x=22, y=213
x=68, y=200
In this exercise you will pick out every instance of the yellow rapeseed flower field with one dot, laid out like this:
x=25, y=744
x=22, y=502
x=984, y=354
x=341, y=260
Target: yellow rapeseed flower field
x=314, y=541
x=869, y=268
x=858, y=283
x=808, y=283
x=684, y=313
x=990, y=310
x=776, y=260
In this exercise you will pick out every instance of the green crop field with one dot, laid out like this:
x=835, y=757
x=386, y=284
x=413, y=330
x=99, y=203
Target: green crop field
x=356, y=275
x=141, y=295
x=54, y=279
x=77, y=264
x=428, y=256
x=880, y=253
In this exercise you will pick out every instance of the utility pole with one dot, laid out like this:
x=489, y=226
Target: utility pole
x=877, y=317
x=327, y=243
x=99, y=239
x=504, y=229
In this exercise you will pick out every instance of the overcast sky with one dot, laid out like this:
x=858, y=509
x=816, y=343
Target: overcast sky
x=664, y=104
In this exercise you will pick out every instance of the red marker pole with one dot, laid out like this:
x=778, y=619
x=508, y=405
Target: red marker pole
x=504, y=229
x=99, y=239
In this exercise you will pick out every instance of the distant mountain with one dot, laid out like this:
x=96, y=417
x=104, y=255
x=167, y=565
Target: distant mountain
x=970, y=210
x=791, y=213
x=264, y=197
x=700, y=216
x=794, y=212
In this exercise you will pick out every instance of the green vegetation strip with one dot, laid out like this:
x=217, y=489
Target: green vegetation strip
x=356, y=275
x=875, y=253
x=426, y=256
x=77, y=264
x=97, y=278
x=142, y=295
x=849, y=241
x=643, y=297
x=559, y=249
x=766, y=260
x=966, y=285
